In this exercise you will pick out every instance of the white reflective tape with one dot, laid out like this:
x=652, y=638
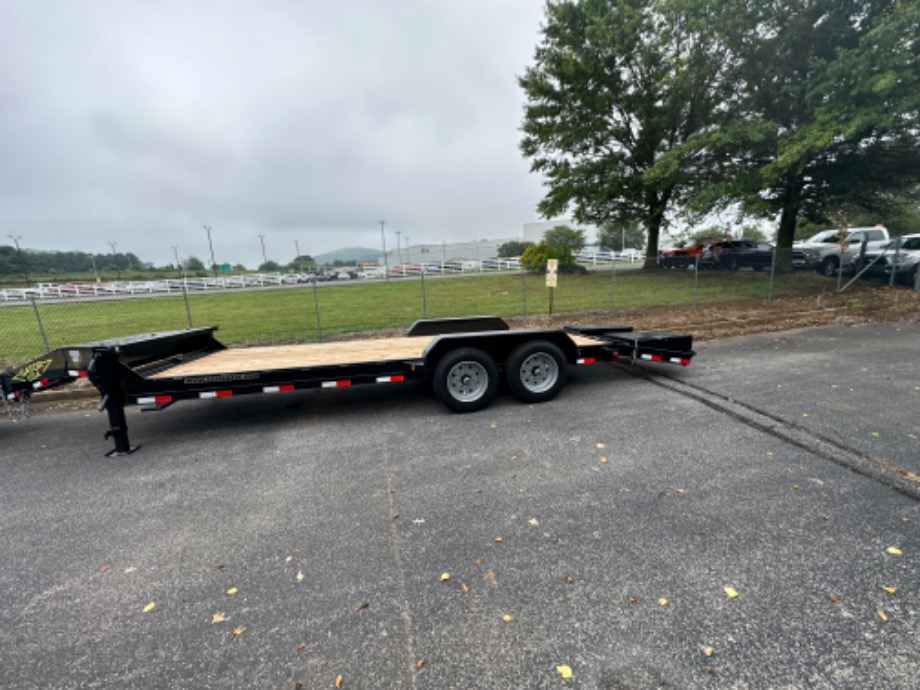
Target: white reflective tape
x=210, y=394
x=648, y=357
x=329, y=384
x=146, y=401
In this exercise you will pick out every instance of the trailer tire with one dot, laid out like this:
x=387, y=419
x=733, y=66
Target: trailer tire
x=466, y=380
x=536, y=371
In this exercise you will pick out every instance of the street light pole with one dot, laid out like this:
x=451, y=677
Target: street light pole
x=383, y=240
x=398, y=248
x=264, y=257
x=408, y=255
x=297, y=256
x=115, y=258
x=211, y=247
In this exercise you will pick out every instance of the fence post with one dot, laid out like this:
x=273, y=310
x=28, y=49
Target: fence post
x=613, y=283
x=424, y=298
x=524, y=291
x=319, y=326
x=772, y=275
x=41, y=327
x=188, y=311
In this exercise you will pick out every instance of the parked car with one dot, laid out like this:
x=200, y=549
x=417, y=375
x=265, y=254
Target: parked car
x=901, y=255
x=829, y=252
x=683, y=255
x=734, y=254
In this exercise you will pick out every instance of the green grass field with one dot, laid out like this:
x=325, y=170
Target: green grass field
x=289, y=314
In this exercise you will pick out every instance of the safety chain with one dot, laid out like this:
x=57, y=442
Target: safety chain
x=19, y=408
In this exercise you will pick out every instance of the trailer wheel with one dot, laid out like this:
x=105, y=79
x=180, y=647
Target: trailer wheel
x=536, y=371
x=466, y=380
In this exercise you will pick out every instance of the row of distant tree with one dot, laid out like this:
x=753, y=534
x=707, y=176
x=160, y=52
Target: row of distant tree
x=16, y=262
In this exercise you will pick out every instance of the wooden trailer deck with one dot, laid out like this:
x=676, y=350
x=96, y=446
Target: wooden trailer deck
x=244, y=359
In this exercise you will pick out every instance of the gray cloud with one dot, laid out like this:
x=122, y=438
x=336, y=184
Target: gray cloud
x=300, y=120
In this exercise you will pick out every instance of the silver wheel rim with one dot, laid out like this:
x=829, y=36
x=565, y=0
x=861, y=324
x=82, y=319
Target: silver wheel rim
x=539, y=372
x=467, y=381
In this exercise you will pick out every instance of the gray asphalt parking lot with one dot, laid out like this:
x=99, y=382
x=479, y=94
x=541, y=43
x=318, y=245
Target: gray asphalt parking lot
x=285, y=542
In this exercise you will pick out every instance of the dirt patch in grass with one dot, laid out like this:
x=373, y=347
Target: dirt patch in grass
x=709, y=321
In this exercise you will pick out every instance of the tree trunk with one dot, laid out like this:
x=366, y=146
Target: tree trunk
x=785, y=235
x=653, y=222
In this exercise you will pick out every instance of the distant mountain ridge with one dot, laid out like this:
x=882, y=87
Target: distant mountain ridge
x=350, y=255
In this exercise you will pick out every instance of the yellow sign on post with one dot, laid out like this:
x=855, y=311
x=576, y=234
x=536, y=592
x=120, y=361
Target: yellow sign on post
x=552, y=266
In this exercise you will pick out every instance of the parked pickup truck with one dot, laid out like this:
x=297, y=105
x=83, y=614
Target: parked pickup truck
x=831, y=251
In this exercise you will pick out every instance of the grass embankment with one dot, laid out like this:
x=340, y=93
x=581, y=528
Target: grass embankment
x=289, y=313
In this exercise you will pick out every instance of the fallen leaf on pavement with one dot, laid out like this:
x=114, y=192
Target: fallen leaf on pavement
x=881, y=614
x=662, y=602
x=564, y=671
x=218, y=617
x=338, y=681
x=419, y=663
x=507, y=618
x=533, y=521
x=232, y=591
x=464, y=588
x=890, y=590
x=708, y=651
x=149, y=607
x=239, y=630
x=445, y=577
x=299, y=575
x=894, y=550
x=105, y=567
x=730, y=592
x=833, y=599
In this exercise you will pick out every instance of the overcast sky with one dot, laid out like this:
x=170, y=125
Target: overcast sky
x=311, y=120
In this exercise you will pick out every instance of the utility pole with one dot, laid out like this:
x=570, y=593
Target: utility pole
x=398, y=248
x=207, y=229
x=297, y=256
x=408, y=255
x=25, y=268
x=264, y=257
x=115, y=258
x=383, y=240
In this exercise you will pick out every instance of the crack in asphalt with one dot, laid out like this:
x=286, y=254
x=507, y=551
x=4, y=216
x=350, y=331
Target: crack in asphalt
x=878, y=469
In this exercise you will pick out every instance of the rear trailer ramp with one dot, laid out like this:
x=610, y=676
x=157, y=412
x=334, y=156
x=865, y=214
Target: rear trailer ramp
x=464, y=359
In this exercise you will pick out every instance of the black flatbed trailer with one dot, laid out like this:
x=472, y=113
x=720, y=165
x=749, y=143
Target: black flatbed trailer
x=463, y=358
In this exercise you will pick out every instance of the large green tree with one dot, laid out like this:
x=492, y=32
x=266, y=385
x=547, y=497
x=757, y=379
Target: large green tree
x=614, y=86
x=826, y=118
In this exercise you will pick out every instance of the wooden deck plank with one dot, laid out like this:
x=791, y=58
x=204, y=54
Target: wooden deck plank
x=274, y=357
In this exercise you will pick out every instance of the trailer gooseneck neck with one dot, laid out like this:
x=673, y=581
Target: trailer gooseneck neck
x=463, y=358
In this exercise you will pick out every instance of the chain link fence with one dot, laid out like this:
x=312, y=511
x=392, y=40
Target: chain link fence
x=269, y=309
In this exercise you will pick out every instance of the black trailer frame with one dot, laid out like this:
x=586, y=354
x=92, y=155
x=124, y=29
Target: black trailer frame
x=462, y=357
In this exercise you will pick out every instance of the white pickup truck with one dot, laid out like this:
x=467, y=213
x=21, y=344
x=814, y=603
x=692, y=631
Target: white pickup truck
x=828, y=254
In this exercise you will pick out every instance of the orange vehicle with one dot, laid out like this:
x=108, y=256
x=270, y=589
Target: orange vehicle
x=683, y=255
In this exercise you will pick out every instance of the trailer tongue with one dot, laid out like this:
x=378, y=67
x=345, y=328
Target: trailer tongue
x=463, y=358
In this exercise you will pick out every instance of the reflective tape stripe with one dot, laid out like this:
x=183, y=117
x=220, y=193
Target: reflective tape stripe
x=587, y=360
x=678, y=360
x=216, y=394
x=40, y=384
x=336, y=384
x=278, y=389
x=76, y=373
x=390, y=379
x=651, y=358
x=156, y=400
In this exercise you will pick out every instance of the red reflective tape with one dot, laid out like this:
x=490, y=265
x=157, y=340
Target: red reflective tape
x=336, y=384
x=344, y=382
x=587, y=360
x=390, y=379
x=40, y=384
x=156, y=400
x=216, y=394
x=278, y=389
x=76, y=373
